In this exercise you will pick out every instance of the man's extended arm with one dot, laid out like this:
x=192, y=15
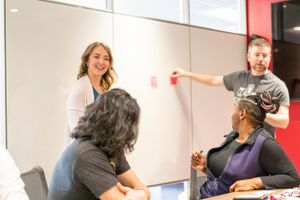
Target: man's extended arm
x=201, y=78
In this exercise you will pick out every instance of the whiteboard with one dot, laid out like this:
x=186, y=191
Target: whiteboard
x=217, y=53
x=45, y=42
x=144, y=49
x=44, y=45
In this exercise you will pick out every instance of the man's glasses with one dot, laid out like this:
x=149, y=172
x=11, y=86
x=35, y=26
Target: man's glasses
x=295, y=192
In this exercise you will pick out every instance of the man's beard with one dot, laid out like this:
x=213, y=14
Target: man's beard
x=260, y=67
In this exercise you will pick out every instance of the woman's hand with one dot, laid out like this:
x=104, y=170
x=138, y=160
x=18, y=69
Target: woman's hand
x=198, y=161
x=246, y=185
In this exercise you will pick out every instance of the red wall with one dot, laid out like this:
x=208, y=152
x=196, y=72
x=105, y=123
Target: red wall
x=259, y=22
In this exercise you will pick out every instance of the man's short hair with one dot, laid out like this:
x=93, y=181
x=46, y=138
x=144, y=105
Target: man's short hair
x=259, y=42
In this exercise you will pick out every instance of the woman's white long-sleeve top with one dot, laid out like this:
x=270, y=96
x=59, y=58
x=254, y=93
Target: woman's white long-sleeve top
x=79, y=96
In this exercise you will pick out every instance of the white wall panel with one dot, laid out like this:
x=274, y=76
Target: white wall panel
x=145, y=48
x=217, y=53
x=45, y=42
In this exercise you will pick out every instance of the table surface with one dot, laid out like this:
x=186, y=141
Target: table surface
x=230, y=196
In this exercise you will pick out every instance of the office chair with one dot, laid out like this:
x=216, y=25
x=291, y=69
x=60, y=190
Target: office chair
x=35, y=183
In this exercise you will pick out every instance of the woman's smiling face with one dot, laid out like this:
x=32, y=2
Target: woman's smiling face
x=98, y=62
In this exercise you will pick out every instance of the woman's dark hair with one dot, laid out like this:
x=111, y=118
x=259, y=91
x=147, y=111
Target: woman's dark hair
x=258, y=105
x=110, y=123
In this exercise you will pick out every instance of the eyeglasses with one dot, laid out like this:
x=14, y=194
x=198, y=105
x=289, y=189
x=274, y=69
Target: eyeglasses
x=295, y=192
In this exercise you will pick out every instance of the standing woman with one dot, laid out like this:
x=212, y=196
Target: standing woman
x=96, y=75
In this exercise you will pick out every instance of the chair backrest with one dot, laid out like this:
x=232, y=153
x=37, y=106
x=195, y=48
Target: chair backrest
x=35, y=183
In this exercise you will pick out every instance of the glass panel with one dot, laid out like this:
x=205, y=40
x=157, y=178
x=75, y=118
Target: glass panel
x=170, y=191
x=225, y=15
x=166, y=9
x=95, y=4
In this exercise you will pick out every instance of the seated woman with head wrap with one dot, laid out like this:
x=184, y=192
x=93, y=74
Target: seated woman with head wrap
x=250, y=158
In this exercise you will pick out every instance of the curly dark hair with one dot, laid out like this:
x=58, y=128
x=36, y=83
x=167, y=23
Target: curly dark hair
x=258, y=105
x=110, y=123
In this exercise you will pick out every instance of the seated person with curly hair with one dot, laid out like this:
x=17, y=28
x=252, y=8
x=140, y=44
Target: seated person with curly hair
x=94, y=165
x=250, y=158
